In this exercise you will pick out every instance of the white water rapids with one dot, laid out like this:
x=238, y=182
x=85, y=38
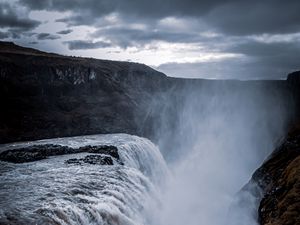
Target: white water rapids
x=52, y=192
x=196, y=190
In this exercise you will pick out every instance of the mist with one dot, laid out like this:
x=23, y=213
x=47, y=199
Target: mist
x=165, y=151
x=224, y=131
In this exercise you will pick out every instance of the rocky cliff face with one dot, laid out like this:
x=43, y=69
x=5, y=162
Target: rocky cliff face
x=279, y=176
x=279, y=179
x=47, y=95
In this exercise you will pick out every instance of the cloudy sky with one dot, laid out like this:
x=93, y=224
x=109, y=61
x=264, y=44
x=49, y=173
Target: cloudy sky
x=256, y=39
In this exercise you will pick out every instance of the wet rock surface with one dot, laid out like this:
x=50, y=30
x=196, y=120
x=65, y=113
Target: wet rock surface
x=105, y=149
x=279, y=179
x=39, y=152
x=92, y=159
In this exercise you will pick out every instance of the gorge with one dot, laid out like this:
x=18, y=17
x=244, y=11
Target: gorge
x=206, y=140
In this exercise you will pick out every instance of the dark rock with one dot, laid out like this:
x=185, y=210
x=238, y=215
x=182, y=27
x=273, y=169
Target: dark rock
x=103, y=149
x=34, y=153
x=73, y=161
x=92, y=159
x=98, y=159
x=294, y=78
x=294, y=86
x=279, y=179
x=21, y=156
x=38, y=152
x=46, y=95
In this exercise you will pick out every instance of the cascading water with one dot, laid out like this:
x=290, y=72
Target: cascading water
x=220, y=138
x=51, y=192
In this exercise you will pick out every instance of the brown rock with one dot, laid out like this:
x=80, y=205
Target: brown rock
x=279, y=177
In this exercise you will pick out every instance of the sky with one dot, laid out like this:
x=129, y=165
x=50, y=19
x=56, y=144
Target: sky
x=212, y=39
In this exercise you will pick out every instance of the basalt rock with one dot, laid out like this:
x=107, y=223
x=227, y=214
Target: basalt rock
x=34, y=153
x=92, y=159
x=39, y=152
x=279, y=179
x=46, y=95
x=104, y=149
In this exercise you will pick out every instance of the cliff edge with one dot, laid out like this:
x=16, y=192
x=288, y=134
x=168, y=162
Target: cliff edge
x=279, y=180
x=47, y=95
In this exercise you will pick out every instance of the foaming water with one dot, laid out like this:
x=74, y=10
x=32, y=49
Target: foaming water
x=52, y=192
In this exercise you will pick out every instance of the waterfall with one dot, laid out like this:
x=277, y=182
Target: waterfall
x=51, y=192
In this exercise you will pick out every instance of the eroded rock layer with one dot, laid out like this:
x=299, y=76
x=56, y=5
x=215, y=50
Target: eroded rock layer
x=39, y=152
x=279, y=179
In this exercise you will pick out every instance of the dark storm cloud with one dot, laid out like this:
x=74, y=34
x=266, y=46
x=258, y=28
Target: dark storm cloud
x=4, y=35
x=231, y=16
x=126, y=37
x=278, y=55
x=33, y=42
x=65, y=31
x=81, y=18
x=261, y=49
x=144, y=8
x=82, y=44
x=9, y=18
x=256, y=17
x=47, y=36
x=236, y=23
x=15, y=33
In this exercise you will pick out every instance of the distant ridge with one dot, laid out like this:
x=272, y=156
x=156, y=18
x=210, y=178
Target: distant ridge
x=10, y=47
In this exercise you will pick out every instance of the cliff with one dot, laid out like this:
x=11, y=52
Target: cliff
x=279, y=176
x=279, y=179
x=47, y=95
